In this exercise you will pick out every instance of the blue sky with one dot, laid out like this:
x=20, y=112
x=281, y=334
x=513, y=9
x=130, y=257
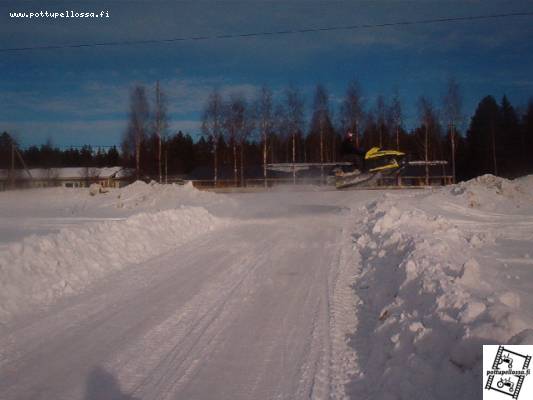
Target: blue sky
x=80, y=96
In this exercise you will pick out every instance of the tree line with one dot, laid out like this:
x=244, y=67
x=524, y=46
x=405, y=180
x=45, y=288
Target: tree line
x=498, y=139
x=238, y=133
x=50, y=156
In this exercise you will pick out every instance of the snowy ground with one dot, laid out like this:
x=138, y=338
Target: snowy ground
x=165, y=292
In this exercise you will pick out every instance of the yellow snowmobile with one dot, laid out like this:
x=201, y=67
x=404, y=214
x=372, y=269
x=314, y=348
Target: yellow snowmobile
x=376, y=163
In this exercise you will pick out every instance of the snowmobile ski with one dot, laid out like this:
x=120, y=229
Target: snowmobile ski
x=361, y=180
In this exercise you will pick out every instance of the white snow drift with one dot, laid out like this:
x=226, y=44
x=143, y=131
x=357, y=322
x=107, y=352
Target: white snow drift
x=432, y=291
x=39, y=269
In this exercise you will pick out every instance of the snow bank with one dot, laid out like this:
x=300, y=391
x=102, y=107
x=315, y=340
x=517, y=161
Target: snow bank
x=428, y=301
x=153, y=196
x=525, y=184
x=40, y=269
x=87, y=202
x=489, y=192
x=45, y=211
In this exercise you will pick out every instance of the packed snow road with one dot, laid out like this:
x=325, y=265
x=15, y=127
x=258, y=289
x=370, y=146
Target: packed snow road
x=165, y=292
x=241, y=312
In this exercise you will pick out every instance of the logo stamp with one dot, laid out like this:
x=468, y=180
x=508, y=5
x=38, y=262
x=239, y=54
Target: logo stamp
x=506, y=372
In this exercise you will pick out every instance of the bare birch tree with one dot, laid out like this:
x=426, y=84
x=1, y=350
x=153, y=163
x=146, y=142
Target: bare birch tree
x=234, y=120
x=245, y=131
x=320, y=115
x=138, y=124
x=265, y=122
x=281, y=136
x=429, y=122
x=380, y=113
x=452, y=104
x=212, y=125
x=352, y=111
x=160, y=125
x=396, y=118
x=321, y=121
x=294, y=120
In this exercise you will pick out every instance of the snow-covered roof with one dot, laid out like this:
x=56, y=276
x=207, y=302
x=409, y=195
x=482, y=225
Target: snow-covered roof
x=70, y=173
x=111, y=172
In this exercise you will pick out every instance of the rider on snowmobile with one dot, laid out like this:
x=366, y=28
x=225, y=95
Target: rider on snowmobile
x=351, y=153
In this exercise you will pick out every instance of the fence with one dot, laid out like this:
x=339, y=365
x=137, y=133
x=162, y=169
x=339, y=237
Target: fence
x=386, y=181
x=254, y=182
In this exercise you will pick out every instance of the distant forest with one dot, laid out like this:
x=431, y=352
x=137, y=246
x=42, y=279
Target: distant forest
x=238, y=133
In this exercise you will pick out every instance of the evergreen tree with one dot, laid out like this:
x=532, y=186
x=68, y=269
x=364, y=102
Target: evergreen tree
x=6, y=141
x=112, y=158
x=511, y=150
x=483, y=140
x=527, y=134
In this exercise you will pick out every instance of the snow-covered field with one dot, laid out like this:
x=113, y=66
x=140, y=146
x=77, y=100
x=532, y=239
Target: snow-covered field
x=165, y=292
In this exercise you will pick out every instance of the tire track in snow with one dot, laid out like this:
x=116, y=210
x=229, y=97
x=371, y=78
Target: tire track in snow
x=343, y=316
x=95, y=336
x=255, y=323
x=196, y=342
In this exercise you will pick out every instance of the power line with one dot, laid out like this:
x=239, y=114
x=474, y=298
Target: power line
x=273, y=33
